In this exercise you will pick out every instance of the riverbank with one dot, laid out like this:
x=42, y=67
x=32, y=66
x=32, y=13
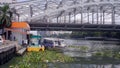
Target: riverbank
x=33, y=59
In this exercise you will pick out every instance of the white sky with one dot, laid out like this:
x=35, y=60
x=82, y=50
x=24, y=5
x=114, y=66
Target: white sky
x=21, y=0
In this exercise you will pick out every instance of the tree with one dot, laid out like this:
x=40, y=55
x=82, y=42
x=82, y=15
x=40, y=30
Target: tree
x=5, y=17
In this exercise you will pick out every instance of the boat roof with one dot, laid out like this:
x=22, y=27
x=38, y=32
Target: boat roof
x=53, y=39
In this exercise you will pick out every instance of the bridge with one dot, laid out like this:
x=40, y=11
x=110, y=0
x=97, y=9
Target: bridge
x=70, y=15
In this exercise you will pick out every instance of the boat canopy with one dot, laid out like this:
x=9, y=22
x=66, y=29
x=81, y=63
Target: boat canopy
x=35, y=36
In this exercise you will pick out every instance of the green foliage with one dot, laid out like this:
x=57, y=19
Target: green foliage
x=40, y=59
x=108, y=54
x=83, y=34
x=98, y=54
x=78, y=34
x=5, y=16
x=65, y=35
x=116, y=55
x=82, y=48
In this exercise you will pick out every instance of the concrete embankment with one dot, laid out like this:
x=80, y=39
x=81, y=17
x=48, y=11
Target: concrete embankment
x=8, y=50
x=6, y=53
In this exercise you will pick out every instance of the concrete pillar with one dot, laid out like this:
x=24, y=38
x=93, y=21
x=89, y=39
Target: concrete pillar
x=69, y=17
x=113, y=15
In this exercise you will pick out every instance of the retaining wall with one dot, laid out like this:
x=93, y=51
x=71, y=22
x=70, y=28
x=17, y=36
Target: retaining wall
x=7, y=53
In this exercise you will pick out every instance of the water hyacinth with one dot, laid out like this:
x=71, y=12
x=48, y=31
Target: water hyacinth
x=108, y=54
x=82, y=48
x=40, y=59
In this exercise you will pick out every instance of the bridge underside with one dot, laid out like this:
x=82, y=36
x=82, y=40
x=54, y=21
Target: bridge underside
x=74, y=27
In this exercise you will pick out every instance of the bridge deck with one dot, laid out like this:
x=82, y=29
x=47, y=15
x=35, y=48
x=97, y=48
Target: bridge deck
x=74, y=27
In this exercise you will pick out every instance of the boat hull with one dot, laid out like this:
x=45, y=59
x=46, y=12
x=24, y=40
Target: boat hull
x=35, y=49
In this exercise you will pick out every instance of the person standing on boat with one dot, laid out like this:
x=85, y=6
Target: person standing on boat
x=39, y=41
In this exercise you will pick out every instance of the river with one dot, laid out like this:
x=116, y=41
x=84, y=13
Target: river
x=84, y=58
x=92, y=46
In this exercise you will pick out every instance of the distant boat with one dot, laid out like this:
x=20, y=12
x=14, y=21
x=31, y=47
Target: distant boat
x=53, y=42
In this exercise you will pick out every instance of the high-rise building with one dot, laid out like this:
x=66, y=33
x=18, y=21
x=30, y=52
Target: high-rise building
x=8, y=1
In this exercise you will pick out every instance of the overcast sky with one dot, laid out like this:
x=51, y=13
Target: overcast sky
x=21, y=0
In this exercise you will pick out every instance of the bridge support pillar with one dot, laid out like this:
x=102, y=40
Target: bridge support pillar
x=64, y=18
x=88, y=14
x=57, y=19
x=103, y=17
x=113, y=15
x=31, y=11
x=81, y=17
x=74, y=15
x=97, y=15
x=93, y=17
x=69, y=17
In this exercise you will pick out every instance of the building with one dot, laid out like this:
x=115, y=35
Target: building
x=19, y=32
x=7, y=1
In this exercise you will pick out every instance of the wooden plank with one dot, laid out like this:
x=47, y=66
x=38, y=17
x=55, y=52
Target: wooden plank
x=21, y=51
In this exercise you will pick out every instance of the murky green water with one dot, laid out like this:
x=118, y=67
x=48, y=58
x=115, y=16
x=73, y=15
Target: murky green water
x=84, y=58
x=92, y=47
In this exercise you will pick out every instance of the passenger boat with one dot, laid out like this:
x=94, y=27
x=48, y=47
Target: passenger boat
x=53, y=42
x=35, y=44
